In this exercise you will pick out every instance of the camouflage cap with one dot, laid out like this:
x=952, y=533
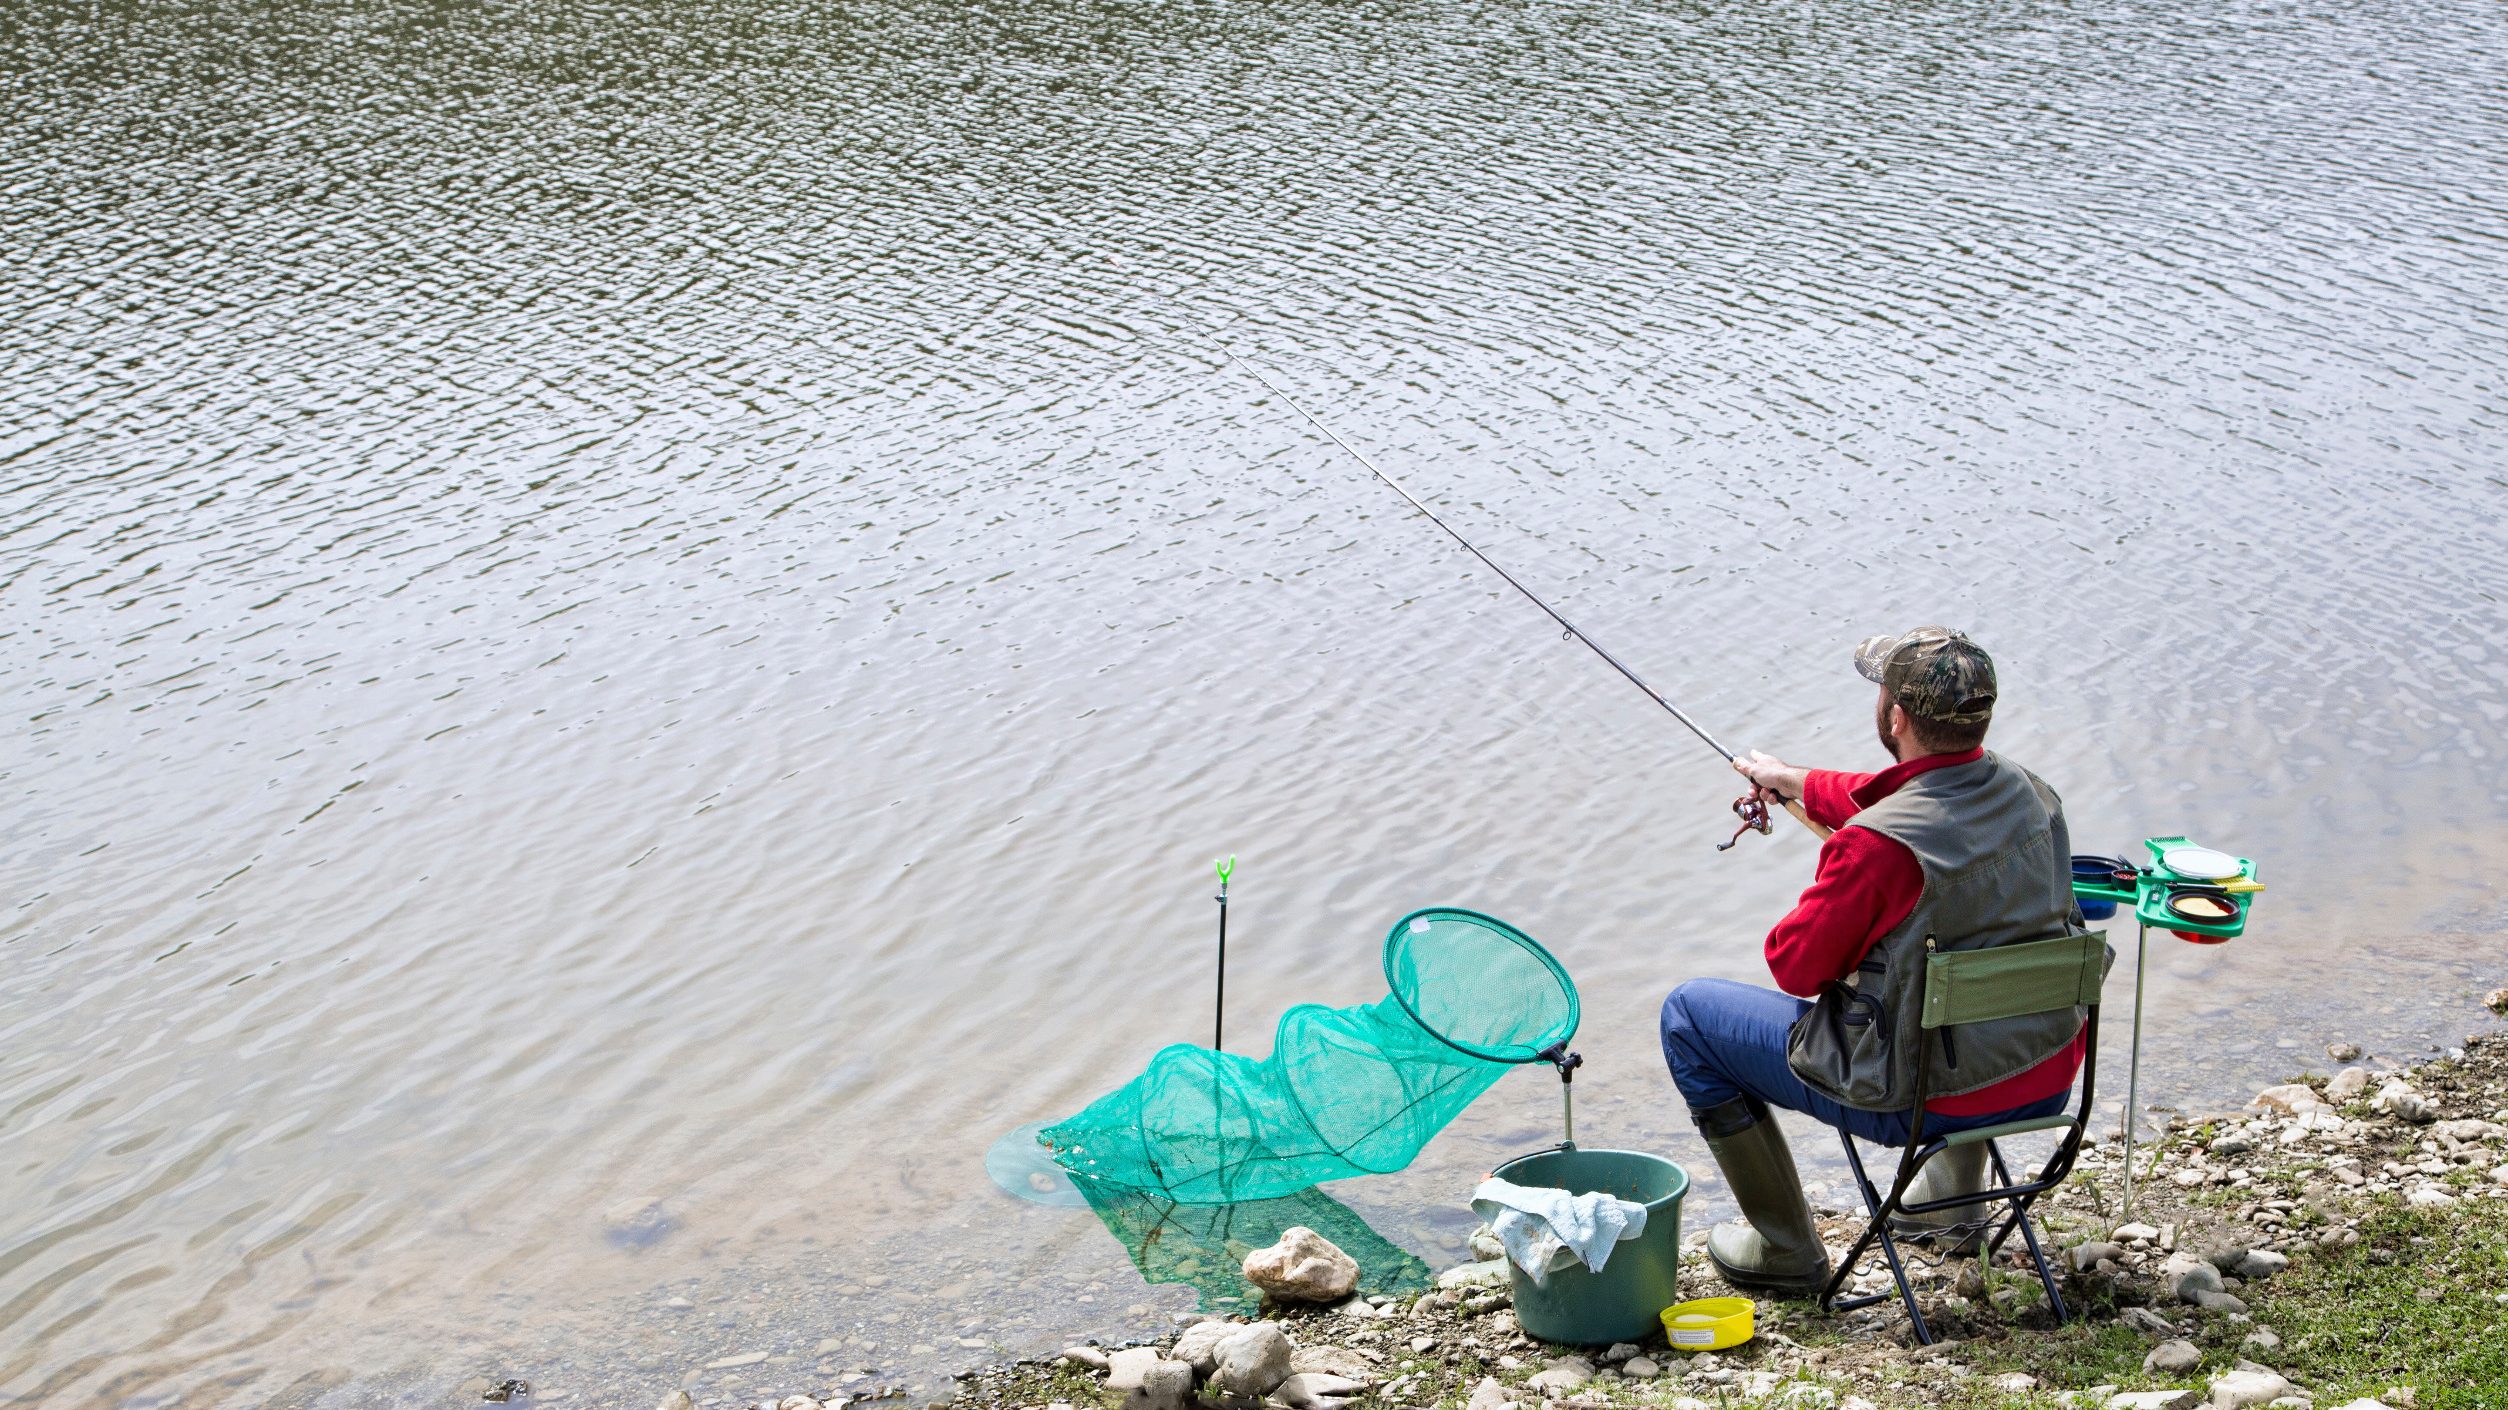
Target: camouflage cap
x=1934, y=672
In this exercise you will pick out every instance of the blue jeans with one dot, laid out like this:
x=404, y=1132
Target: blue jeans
x=1724, y=1040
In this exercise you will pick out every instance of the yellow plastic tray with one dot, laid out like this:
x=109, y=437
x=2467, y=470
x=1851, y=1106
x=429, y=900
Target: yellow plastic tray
x=1708, y=1323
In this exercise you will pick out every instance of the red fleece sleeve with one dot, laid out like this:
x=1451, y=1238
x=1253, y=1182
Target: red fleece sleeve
x=1865, y=886
x=1829, y=796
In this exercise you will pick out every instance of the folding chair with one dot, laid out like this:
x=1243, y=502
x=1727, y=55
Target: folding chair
x=1979, y=986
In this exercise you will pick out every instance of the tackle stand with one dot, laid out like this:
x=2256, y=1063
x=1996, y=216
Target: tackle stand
x=2150, y=890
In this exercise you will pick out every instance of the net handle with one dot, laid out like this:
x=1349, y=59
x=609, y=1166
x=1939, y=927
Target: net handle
x=1567, y=986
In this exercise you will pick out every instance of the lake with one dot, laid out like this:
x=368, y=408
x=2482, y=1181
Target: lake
x=629, y=630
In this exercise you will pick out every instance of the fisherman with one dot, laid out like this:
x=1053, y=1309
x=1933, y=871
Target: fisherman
x=1949, y=846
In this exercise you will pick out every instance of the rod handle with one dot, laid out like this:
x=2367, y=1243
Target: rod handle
x=1795, y=806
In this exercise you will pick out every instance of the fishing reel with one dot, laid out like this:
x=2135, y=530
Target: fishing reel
x=1753, y=811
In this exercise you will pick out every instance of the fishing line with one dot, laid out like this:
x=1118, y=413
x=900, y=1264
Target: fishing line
x=1752, y=812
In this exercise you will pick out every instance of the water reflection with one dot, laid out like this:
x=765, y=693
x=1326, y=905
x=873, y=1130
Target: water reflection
x=610, y=604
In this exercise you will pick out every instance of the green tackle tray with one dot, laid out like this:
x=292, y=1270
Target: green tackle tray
x=2149, y=894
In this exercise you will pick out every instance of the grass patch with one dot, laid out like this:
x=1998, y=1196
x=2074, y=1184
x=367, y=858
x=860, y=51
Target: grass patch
x=2412, y=1304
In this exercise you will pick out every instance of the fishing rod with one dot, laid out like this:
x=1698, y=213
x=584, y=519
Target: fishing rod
x=1749, y=808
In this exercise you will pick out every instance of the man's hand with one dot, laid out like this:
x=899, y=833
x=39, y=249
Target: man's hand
x=1772, y=779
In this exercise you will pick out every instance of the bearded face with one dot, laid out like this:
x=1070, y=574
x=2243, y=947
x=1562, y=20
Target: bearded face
x=1881, y=725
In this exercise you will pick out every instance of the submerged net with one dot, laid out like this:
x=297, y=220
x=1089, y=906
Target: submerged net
x=1355, y=1091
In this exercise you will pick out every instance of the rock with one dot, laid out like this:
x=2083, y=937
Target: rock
x=797, y=1402
x=2224, y=1302
x=2403, y=1103
x=2015, y=1382
x=1640, y=1368
x=2499, y=1176
x=2232, y=1143
x=1484, y=1244
x=1489, y=1395
x=1303, y=1267
x=2347, y=1085
x=1489, y=1273
x=1199, y=1346
x=2188, y=1279
x=1561, y=1376
x=2237, y=1390
x=1619, y=1352
x=634, y=1223
x=2365, y=1403
x=2086, y=1256
x=1253, y=1362
x=2496, y=1001
x=1316, y=1390
x=1088, y=1356
x=2343, y=1052
x=2172, y=1358
x=727, y=1363
x=2156, y=1400
x=677, y=1400
x=2468, y=1129
x=1807, y=1396
x=2259, y=1263
x=2262, y=1339
x=1687, y=1402
x=2136, y=1233
x=2147, y=1322
x=2290, y=1098
x=2429, y=1197
x=1332, y=1360
x=1857, y=1402
x=1148, y=1381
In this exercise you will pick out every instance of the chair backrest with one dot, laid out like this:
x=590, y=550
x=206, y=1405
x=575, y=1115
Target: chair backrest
x=2007, y=981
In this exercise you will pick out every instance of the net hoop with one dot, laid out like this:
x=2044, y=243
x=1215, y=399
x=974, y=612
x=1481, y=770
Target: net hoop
x=1513, y=1053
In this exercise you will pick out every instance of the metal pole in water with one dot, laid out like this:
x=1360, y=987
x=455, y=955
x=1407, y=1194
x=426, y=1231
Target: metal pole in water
x=1219, y=1001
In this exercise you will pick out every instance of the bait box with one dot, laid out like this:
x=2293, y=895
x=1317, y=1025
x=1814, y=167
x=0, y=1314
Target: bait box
x=2148, y=894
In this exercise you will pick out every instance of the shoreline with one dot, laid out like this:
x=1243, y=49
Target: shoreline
x=2252, y=1231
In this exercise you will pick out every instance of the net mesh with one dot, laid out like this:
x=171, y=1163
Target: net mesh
x=1351, y=1091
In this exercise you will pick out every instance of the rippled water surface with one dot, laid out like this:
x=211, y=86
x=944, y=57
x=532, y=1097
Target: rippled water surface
x=668, y=602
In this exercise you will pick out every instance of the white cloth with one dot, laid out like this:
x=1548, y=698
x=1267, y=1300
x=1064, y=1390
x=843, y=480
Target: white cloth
x=1546, y=1229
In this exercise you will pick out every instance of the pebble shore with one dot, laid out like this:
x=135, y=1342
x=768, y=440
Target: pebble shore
x=2225, y=1203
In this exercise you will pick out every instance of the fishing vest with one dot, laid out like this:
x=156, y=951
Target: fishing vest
x=1997, y=871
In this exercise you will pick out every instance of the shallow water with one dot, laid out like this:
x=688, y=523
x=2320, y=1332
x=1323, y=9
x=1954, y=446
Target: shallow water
x=607, y=603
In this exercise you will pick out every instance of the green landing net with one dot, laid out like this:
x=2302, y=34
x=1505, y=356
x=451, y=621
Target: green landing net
x=1355, y=1091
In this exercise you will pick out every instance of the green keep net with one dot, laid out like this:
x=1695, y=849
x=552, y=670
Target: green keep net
x=1355, y=1091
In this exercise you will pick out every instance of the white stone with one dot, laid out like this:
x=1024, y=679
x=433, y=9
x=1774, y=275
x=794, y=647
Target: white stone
x=2400, y=1101
x=2136, y=1233
x=1640, y=1368
x=2016, y=1383
x=2347, y=1084
x=2288, y=1098
x=2156, y=1400
x=677, y=1400
x=2258, y=1263
x=1303, y=1267
x=1148, y=1381
x=2237, y=1390
x=1088, y=1356
x=1561, y=1376
x=2172, y=1358
x=1316, y=1390
x=1489, y=1273
x=1489, y=1395
x=1198, y=1347
x=2365, y=1403
x=2429, y=1197
x=1252, y=1362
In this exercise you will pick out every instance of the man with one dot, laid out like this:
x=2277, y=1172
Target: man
x=1949, y=847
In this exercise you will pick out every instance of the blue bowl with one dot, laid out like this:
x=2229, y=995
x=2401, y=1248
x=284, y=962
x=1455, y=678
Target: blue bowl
x=2098, y=870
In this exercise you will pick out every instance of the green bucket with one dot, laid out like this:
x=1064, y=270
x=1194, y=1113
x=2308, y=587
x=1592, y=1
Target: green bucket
x=1624, y=1301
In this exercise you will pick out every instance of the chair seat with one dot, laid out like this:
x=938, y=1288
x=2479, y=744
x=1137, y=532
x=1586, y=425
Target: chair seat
x=2008, y=1128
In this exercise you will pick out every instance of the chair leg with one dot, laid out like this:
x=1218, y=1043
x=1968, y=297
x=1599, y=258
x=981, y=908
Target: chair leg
x=1876, y=1231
